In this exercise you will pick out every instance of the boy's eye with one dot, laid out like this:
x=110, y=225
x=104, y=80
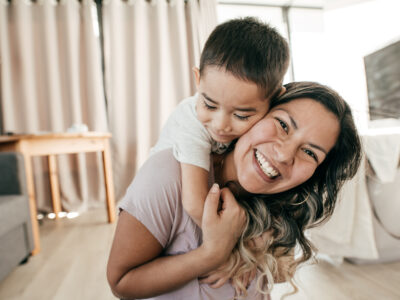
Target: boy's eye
x=310, y=153
x=243, y=118
x=208, y=106
x=283, y=125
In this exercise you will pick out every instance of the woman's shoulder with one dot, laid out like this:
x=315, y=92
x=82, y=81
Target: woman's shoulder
x=154, y=196
x=159, y=169
x=160, y=176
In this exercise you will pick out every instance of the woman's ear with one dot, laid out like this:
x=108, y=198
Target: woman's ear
x=196, y=73
x=283, y=90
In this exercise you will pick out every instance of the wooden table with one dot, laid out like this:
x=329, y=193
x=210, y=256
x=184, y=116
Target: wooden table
x=51, y=145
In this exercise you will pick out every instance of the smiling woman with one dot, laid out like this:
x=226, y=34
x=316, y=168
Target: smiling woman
x=294, y=161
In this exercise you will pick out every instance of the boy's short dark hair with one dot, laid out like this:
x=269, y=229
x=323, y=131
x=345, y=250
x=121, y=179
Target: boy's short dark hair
x=249, y=49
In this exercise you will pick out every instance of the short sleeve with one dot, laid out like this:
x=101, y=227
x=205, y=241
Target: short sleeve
x=153, y=196
x=184, y=133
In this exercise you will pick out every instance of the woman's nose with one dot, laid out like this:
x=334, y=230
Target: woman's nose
x=285, y=153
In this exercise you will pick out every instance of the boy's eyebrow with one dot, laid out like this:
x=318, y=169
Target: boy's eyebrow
x=293, y=122
x=244, y=109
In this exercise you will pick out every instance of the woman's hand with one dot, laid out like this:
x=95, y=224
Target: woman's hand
x=221, y=224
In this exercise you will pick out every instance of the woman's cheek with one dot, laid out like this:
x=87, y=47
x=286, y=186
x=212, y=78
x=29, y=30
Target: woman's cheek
x=263, y=131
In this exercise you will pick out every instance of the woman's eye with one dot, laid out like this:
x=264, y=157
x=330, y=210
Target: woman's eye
x=283, y=125
x=312, y=154
x=243, y=118
x=210, y=107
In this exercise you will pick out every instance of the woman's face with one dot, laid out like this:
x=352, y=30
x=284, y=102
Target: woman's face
x=283, y=149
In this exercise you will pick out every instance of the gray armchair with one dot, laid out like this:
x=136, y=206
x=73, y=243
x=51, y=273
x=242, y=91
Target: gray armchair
x=16, y=241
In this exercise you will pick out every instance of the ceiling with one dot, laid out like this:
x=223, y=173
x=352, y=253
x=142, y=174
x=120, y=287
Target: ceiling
x=327, y=4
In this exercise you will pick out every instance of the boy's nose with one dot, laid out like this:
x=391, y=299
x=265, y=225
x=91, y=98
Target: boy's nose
x=222, y=124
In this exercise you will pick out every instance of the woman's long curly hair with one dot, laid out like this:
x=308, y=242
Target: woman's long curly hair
x=287, y=215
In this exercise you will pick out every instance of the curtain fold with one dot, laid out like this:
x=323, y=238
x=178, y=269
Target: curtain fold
x=52, y=77
x=150, y=48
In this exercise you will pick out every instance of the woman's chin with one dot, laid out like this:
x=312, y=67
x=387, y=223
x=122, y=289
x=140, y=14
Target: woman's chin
x=253, y=189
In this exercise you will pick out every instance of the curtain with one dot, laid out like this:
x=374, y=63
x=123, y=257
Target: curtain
x=150, y=48
x=52, y=77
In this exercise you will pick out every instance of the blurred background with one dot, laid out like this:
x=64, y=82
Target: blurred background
x=121, y=67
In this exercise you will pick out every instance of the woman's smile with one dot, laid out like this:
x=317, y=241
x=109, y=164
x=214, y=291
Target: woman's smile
x=264, y=167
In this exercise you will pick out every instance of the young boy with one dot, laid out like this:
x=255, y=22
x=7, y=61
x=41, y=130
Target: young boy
x=241, y=68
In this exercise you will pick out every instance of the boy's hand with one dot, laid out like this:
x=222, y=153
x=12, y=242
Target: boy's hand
x=217, y=278
x=220, y=276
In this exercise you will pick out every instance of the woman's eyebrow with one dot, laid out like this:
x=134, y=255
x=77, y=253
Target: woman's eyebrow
x=318, y=147
x=292, y=121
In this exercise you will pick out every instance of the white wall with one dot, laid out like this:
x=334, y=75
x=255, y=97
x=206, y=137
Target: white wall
x=351, y=33
x=328, y=46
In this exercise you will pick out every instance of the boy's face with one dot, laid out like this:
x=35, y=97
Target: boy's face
x=227, y=106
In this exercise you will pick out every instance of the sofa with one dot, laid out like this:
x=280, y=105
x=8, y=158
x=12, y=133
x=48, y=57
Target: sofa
x=16, y=240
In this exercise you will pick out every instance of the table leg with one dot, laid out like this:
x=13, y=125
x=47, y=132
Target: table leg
x=109, y=185
x=32, y=203
x=54, y=185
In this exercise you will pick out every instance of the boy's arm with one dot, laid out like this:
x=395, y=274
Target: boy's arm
x=194, y=190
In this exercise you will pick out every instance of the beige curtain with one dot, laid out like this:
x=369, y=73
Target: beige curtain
x=150, y=48
x=51, y=78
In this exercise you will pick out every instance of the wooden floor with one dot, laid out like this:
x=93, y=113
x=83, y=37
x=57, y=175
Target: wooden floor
x=71, y=264
x=74, y=253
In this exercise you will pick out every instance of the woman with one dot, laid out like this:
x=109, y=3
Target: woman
x=299, y=154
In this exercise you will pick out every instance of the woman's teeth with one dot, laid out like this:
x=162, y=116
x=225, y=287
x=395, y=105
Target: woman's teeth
x=265, y=166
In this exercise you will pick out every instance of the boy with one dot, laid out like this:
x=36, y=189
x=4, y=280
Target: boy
x=241, y=68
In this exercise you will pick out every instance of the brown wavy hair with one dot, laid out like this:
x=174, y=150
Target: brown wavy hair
x=288, y=214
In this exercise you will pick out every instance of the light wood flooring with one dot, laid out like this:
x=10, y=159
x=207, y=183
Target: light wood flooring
x=72, y=264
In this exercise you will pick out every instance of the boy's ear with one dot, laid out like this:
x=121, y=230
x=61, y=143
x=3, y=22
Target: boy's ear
x=196, y=73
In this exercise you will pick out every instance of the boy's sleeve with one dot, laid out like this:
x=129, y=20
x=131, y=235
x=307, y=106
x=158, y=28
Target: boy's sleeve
x=153, y=195
x=193, y=147
x=188, y=138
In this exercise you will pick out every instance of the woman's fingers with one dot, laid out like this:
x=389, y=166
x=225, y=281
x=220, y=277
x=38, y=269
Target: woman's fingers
x=246, y=279
x=213, y=277
x=211, y=204
x=260, y=241
x=220, y=282
x=252, y=275
x=232, y=209
x=221, y=229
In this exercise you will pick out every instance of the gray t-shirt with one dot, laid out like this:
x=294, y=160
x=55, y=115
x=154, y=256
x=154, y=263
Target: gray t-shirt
x=154, y=198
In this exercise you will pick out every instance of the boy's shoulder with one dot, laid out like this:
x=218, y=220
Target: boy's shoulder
x=188, y=104
x=185, y=114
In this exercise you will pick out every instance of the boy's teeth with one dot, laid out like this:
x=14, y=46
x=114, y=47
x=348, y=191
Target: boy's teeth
x=265, y=166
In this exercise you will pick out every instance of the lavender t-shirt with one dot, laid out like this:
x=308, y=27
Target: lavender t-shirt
x=154, y=198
